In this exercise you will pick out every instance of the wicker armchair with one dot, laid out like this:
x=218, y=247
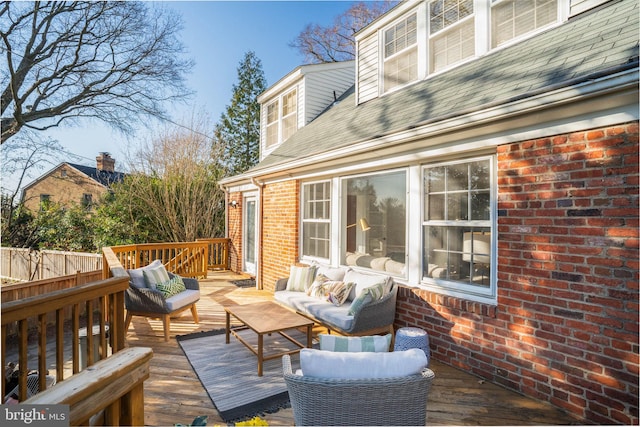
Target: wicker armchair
x=151, y=303
x=350, y=402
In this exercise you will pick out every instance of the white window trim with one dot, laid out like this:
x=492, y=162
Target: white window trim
x=310, y=258
x=266, y=150
x=456, y=289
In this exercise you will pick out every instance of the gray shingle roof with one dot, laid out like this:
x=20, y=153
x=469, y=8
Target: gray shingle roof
x=599, y=42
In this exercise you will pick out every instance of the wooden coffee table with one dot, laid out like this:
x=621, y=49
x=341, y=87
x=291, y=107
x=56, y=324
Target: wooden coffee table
x=266, y=318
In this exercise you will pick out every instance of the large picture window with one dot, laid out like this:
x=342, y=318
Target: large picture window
x=375, y=221
x=457, y=225
x=316, y=225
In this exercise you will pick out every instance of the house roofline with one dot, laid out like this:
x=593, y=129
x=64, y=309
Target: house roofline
x=298, y=73
x=616, y=81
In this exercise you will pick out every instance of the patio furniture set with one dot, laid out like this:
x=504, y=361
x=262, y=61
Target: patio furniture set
x=352, y=376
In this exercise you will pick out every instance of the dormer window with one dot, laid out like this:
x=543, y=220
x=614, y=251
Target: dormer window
x=282, y=118
x=401, y=53
x=428, y=37
x=512, y=19
x=272, y=123
x=289, y=114
x=451, y=32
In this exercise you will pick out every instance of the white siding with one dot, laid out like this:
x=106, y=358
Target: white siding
x=320, y=87
x=368, y=73
x=579, y=6
x=263, y=131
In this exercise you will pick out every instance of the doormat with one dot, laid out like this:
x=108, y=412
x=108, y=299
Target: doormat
x=245, y=283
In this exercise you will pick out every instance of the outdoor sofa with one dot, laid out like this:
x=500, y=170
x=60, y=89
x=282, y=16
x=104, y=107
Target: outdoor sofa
x=369, y=308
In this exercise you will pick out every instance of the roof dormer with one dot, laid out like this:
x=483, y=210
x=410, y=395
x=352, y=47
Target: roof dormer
x=419, y=39
x=298, y=98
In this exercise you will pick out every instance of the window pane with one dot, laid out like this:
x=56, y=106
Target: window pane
x=511, y=19
x=374, y=234
x=315, y=217
x=457, y=251
x=401, y=53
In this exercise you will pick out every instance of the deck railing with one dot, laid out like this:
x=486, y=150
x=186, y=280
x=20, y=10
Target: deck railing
x=218, y=253
x=101, y=303
x=113, y=388
x=187, y=259
x=17, y=291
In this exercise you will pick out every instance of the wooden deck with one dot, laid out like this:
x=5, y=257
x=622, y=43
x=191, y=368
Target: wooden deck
x=173, y=393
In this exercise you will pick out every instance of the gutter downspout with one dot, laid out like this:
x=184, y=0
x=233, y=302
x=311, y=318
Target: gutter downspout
x=260, y=186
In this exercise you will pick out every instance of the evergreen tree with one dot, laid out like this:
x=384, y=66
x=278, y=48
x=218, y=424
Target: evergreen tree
x=238, y=132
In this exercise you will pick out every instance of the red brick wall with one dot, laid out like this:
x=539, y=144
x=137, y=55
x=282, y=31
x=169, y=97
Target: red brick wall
x=280, y=211
x=234, y=224
x=566, y=325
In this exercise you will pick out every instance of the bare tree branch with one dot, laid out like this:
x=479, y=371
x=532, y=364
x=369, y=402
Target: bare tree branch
x=336, y=42
x=113, y=61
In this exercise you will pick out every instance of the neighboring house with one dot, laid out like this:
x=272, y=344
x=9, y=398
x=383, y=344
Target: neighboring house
x=68, y=184
x=487, y=158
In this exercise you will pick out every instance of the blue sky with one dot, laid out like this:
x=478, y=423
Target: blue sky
x=216, y=34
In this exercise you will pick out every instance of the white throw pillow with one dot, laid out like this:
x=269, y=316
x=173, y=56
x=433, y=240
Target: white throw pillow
x=343, y=365
x=363, y=281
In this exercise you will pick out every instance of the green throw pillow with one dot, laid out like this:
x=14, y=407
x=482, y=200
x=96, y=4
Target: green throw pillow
x=372, y=293
x=171, y=287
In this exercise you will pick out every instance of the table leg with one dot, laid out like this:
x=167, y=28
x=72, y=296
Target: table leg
x=309, y=336
x=260, y=355
x=227, y=328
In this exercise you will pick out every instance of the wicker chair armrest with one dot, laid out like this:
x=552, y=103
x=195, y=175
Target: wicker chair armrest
x=145, y=300
x=376, y=314
x=281, y=284
x=191, y=283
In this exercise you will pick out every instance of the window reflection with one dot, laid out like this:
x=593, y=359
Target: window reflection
x=374, y=228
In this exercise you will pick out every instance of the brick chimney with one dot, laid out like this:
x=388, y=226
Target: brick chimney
x=105, y=163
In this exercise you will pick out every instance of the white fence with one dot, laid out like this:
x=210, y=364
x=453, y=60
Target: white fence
x=19, y=264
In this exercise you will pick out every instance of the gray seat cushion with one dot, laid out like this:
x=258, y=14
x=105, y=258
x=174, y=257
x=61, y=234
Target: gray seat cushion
x=320, y=309
x=183, y=299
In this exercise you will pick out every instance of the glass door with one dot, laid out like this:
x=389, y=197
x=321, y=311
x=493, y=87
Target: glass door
x=250, y=236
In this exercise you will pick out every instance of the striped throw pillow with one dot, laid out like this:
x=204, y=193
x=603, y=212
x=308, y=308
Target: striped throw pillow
x=300, y=278
x=375, y=343
x=155, y=273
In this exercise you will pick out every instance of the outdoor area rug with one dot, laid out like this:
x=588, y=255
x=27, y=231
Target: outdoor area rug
x=229, y=372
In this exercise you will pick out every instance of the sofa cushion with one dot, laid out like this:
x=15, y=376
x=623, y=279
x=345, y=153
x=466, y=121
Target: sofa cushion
x=344, y=365
x=172, y=287
x=375, y=343
x=325, y=311
x=182, y=299
x=363, y=280
x=137, y=274
x=300, y=278
x=333, y=273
